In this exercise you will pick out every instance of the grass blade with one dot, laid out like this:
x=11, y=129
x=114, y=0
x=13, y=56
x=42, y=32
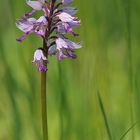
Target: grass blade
x=104, y=116
x=128, y=130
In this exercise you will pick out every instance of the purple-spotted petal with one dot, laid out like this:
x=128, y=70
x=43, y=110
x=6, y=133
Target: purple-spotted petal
x=67, y=54
x=64, y=27
x=41, y=26
x=71, y=54
x=65, y=17
x=25, y=28
x=38, y=55
x=61, y=43
x=40, y=60
x=40, y=31
x=61, y=55
x=42, y=19
x=26, y=25
x=67, y=44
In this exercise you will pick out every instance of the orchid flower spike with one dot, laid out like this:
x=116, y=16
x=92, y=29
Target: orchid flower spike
x=57, y=20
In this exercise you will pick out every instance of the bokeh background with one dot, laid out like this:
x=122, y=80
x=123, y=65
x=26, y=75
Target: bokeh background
x=108, y=64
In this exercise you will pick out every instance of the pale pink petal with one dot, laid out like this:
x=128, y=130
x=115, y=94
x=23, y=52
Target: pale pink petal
x=65, y=17
x=42, y=19
x=35, y=4
x=66, y=2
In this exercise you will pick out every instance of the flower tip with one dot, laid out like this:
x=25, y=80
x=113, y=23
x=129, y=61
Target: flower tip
x=75, y=34
x=42, y=68
x=74, y=56
x=18, y=39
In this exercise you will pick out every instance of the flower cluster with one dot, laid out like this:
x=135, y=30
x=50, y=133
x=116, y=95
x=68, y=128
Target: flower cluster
x=57, y=20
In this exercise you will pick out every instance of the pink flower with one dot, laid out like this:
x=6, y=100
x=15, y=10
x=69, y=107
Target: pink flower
x=65, y=48
x=65, y=17
x=36, y=5
x=32, y=25
x=40, y=60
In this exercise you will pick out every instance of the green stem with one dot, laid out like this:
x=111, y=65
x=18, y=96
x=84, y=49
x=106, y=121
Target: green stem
x=44, y=106
x=43, y=77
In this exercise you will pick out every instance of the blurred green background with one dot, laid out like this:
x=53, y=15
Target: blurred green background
x=108, y=64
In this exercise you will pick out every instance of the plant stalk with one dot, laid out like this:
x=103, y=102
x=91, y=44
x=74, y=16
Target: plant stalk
x=44, y=77
x=44, y=101
x=44, y=106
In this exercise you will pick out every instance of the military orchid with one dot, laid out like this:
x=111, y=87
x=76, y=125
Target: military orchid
x=56, y=21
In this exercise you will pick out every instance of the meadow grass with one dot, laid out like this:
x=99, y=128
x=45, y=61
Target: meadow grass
x=108, y=63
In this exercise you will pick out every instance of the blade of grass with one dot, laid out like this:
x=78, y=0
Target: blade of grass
x=104, y=116
x=128, y=130
x=64, y=111
x=128, y=11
